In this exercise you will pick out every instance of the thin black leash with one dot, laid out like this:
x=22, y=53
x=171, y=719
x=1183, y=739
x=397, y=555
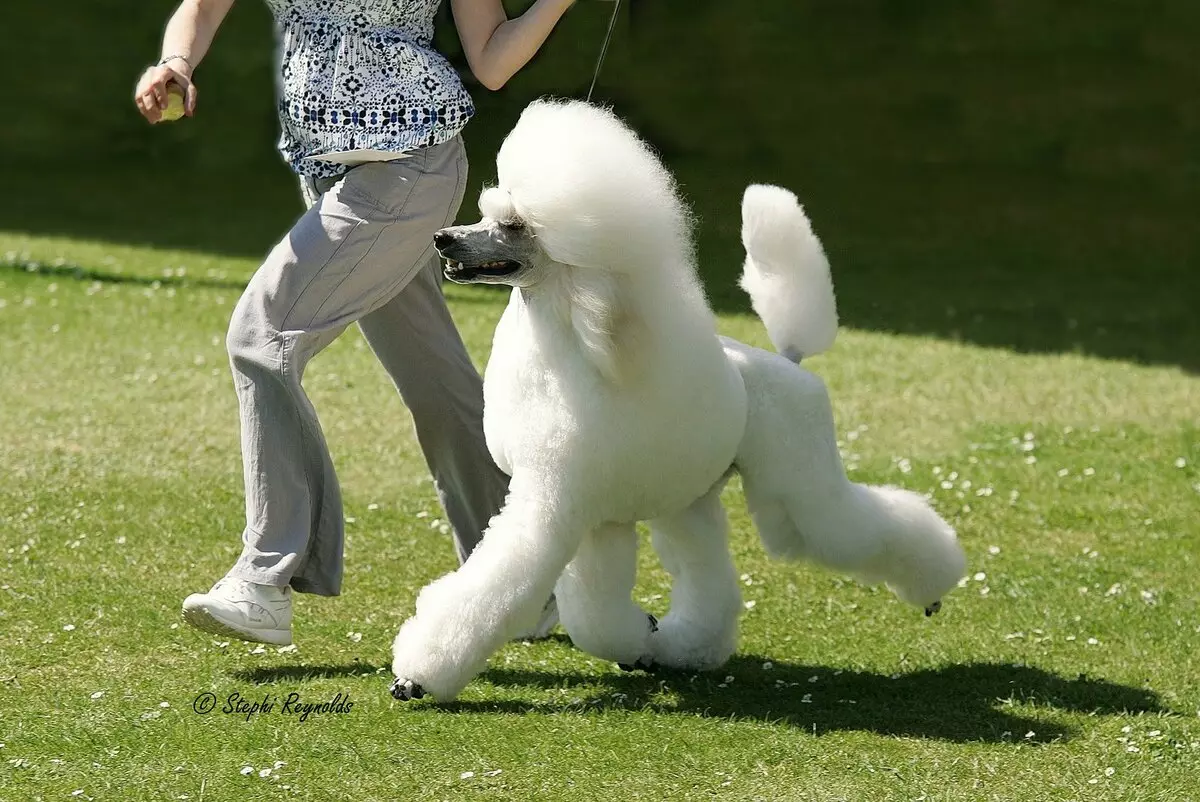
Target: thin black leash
x=612, y=23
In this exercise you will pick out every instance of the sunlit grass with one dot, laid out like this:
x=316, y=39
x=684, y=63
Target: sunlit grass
x=1065, y=668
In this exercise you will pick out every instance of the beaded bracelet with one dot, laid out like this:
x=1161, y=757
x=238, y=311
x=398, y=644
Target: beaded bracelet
x=177, y=56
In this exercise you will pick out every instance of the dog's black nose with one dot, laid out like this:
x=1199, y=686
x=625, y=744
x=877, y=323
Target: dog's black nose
x=442, y=239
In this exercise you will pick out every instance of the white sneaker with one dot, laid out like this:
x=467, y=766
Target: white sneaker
x=243, y=610
x=547, y=622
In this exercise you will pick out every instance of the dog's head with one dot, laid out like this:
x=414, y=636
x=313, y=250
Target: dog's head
x=501, y=248
x=586, y=218
x=578, y=192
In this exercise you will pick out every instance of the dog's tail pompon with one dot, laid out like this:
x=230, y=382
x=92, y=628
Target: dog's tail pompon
x=786, y=273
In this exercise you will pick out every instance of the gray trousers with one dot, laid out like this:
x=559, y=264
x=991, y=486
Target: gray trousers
x=363, y=253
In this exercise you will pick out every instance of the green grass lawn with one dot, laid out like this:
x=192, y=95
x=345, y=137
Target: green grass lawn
x=1065, y=668
x=1006, y=190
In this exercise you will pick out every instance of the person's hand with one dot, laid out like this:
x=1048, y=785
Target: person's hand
x=150, y=96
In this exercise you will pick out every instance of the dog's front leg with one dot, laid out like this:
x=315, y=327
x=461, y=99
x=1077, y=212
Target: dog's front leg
x=465, y=616
x=700, y=631
x=594, y=598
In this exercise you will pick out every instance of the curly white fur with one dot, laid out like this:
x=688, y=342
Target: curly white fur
x=610, y=400
x=786, y=273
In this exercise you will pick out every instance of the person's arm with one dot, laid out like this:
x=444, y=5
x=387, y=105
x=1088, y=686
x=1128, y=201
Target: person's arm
x=497, y=47
x=190, y=31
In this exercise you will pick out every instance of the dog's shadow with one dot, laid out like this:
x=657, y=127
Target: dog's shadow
x=963, y=703
x=970, y=702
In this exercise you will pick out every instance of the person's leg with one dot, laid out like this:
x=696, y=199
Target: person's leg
x=349, y=254
x=415, y=338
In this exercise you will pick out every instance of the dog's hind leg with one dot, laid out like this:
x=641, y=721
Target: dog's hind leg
x=805, y=507
x=700, y=631
x=465, y=616
x=594, y=601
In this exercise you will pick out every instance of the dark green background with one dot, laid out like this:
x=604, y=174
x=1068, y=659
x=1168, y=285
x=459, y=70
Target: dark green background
x=1013, y=173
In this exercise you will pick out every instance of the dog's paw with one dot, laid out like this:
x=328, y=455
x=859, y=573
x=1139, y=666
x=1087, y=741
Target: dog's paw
x=642, y=664
x=405, y=690
x=645, y=662
x=679, y=643
x=933, y=608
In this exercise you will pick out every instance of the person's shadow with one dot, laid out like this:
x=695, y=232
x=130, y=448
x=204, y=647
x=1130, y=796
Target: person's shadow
x=971, y=702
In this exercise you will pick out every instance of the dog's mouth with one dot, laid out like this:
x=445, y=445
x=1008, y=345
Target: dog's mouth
x=461, y=274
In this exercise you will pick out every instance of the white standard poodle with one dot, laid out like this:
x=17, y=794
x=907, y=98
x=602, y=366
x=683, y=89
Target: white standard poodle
x=610, y=399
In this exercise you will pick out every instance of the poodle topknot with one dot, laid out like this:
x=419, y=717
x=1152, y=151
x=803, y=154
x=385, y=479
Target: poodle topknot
x=576, y=173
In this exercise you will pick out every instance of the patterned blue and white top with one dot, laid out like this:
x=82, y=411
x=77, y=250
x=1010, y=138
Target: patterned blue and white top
x=362, y=74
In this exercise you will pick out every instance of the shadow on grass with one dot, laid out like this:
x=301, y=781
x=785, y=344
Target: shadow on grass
x=972, y=702
x=975, y=702
x=483, y=294
x=79, y=273
x=269, y=675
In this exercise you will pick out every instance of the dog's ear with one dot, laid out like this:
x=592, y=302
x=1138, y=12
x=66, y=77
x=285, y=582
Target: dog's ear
x=597, y=310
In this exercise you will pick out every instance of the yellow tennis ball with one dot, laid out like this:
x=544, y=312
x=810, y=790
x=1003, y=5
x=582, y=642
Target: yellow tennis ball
x=174, y=109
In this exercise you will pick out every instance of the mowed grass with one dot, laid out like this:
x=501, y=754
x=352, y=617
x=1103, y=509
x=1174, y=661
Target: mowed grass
x=1004, y=190
x=1065, y=669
